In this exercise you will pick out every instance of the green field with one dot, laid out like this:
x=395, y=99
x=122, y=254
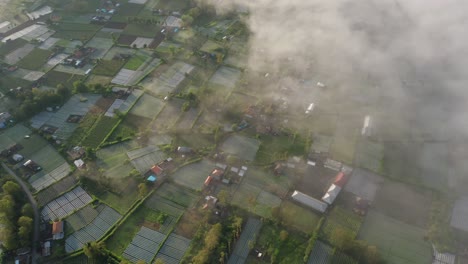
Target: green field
x=54, y=78
x=340, y=218
x=108, y=67
x=142, y=30
x=193, y=176
x=99, y=132
x=296, y=216
x=398, y=243
x=178, y=194
x=243, y=147
x=35, y=59
x=274, y=148
x=147, y=106
x=135, y=62
x=78, y=31
x=10, y=82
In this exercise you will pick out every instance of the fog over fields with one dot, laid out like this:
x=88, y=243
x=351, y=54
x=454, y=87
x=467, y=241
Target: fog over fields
x=408, y=55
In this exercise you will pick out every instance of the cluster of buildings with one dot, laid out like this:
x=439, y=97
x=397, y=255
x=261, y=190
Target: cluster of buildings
x=327, y=199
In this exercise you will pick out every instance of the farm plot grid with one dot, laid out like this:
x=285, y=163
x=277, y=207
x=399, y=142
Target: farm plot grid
x=82, y=217
x=143, y=159
x=39, y=182
x=66, y=204
x=173, y=249
x=144, y=245
x=106, y=218
x=50, y=193
x=171, y=79
x=241, y=250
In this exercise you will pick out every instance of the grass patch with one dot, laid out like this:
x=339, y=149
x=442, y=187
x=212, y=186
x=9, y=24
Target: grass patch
x=35, y=59
x=9, y=82
x=108, y=67
x=397, y=242
x=54, y=78
x=275, y=148
x=340, y=218
x=142, y=30
x=99, y=132
x=298, y=217
x=178, y=194
x=135, y=62
x=77, y=31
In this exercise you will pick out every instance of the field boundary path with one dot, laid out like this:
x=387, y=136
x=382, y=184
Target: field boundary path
x=34, y=206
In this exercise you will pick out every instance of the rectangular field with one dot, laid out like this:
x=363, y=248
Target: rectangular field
x=193, y=176
x=100, y=131
x=144, y=245
x=50, y=193
x=147, y=106
x=340, y=218
x=178, y=194
x=35, y=59
x=173, y=249
x=398, y=243
x=66, y=204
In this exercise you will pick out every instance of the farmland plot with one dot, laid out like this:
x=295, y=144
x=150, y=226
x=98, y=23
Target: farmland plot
x=398, y=243
x=369, y=155
x=193, y=176
x=166, y=118
x=106, y=218
x=66, y=204
x=40, y=181
x=173, y=249
x=340, y=218
x=226, y=77
x=100, y=131
x=81, y=218
x=143, y=159
x=243, y=147
x=102, y=45
x=188, y=119
x=147, y=106
x=13, y=135
x=144, y=245
x=113, y=159
x=51, y=192
x=177, y=194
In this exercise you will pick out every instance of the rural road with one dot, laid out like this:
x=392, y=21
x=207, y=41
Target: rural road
x=34, y=206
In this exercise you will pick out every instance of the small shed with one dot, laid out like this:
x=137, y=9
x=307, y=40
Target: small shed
x=309, y=201
x=57, y=230
x=46, y=249
x=79, y=163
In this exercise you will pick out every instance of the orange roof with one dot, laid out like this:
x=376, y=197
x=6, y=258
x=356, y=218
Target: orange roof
x=340, y=179
x=208, y=180
x=217, y=173
x=156, y=169
x=57, y=227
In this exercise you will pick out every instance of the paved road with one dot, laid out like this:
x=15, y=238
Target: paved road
x=34, y=206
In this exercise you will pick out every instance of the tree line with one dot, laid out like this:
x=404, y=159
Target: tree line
x=16, y=217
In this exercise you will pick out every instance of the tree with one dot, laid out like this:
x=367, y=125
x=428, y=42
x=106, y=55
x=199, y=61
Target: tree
x=11, y=188
x=172, y=50
x=7, y=207
x=142, y=189
x=237, y=225
x=8, y=237
x=213, y=236
x=187, y=19
x=283, y=235
x=80, y=87
x=95, y=250
x=202, y=257
x=27, y=210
